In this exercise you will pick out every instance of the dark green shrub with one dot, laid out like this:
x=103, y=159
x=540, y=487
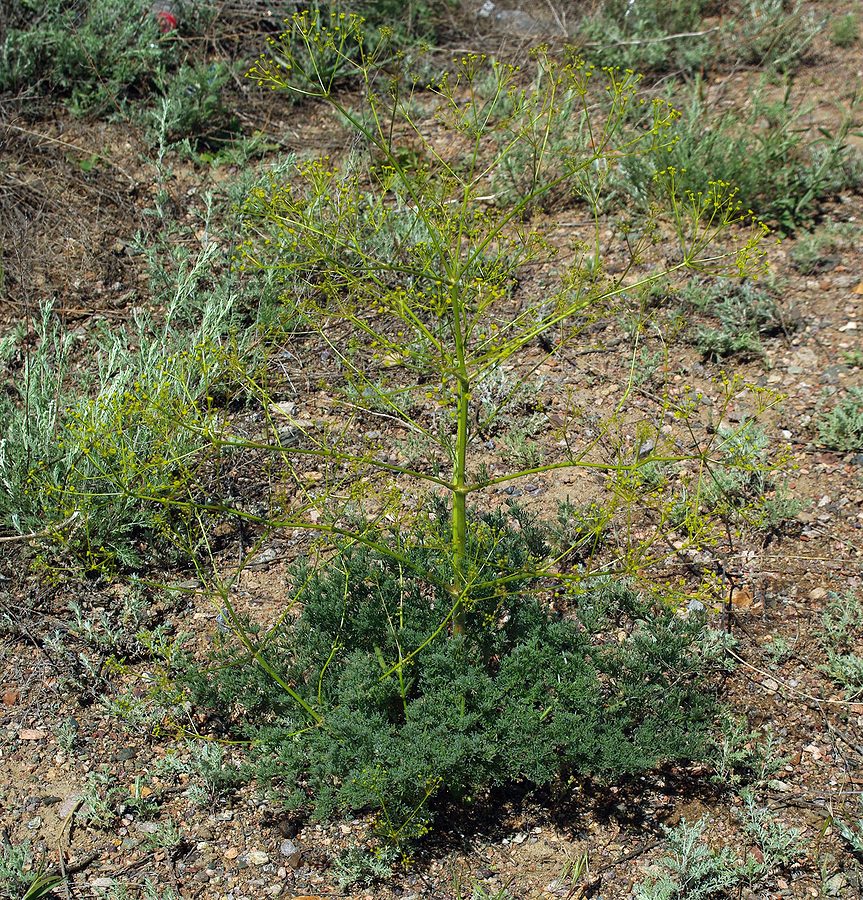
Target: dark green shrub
x=410, y=716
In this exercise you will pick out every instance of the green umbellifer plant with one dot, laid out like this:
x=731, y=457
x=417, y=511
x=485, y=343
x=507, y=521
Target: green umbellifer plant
x=413, y=267
x=422, y=665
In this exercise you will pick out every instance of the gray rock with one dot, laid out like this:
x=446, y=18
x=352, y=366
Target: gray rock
x=515, y=21
x=835, y=884
x=291, y=852
x=832, y=374
x=646, y=448
x=68, y=806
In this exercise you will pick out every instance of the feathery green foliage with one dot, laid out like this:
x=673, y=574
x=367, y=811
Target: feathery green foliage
x=842, y=427
x=407, y=718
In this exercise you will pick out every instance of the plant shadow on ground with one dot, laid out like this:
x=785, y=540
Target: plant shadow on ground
x=568, y=808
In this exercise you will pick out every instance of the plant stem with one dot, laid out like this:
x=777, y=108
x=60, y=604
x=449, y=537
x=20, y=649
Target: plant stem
x=459, y=504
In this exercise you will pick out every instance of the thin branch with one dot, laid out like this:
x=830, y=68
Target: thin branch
x=53, y=140
x=654, y=40
x=59, y=526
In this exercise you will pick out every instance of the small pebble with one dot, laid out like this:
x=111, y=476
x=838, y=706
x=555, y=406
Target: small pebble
x=291, y=852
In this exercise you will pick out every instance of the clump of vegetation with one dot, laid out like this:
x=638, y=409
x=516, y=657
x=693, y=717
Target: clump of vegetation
x=780, y=173
x=22, y=877
x=358, y=865
x=693, y=870
x=852, y=831
x=94, y=460
x=654, y=36
x=102, y=800
x=842, y=628
x=745, y=311
x=649, y=36
x=101, y=55
x=94, y=52
x=842, y=427
x=742, y=756
x=92, y=470
x=818, y=250
x=772, y=34
x=192, y=105
x=845, y=30
x=385, y=712
x=409, y=21
x=213, y=775
x=740, y=481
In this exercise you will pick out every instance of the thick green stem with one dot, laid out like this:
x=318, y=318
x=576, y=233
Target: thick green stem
x=459, y=505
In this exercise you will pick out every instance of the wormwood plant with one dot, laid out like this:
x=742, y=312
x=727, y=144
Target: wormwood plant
x=782, y=173
x=95, y=52
x=92, y=464
x=842, y=427
x=651, y=35
x=22, y=876
x=745, y=311
x=841, y=624
x=773, y=34
x=693, y=870
x=425, y=665
x=93, y=459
